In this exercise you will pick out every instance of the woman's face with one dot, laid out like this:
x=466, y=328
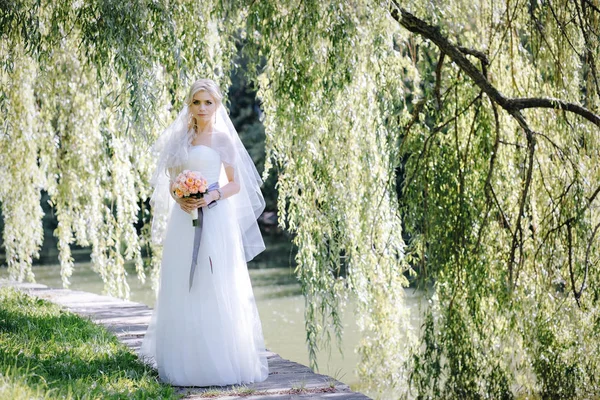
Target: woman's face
x=203, y=107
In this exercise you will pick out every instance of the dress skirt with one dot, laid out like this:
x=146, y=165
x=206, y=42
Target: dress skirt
x=210, y=335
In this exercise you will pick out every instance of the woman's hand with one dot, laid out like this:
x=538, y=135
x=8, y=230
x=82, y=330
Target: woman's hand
x=188, y=204
x=207, y=199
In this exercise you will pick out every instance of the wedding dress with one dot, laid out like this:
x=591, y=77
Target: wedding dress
x=209, y=335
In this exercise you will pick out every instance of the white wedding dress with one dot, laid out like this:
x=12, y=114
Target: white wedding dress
x=210, y=335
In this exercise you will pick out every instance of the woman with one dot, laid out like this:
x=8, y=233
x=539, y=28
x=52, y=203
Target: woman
x=205, y=329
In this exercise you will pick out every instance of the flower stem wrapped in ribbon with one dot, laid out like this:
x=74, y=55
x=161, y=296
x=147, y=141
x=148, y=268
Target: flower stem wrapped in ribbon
x=192, y=184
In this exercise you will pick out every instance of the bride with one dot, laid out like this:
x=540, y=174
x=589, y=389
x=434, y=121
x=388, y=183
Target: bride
x=205, y=328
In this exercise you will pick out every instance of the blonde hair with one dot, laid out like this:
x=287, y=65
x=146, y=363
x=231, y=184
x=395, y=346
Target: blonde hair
x=204, y=84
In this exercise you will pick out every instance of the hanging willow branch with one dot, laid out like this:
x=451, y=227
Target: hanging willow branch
x=512, y=105
x=457, y=54
x=369, y=151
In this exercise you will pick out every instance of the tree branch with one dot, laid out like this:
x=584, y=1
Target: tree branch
x=556, y=104
x=488, y=180
x=589, y=56
x=592, y=6
x=475, y=53
x=518, y=228
x=587, y=260
x=438, y=79
x=570, y=261
x=574, y=218
x=512, y=106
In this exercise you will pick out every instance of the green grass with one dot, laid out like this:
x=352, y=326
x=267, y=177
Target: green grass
x=47, y=353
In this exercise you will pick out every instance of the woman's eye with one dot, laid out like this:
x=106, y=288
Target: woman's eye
x=196, y=102
x=209, y=102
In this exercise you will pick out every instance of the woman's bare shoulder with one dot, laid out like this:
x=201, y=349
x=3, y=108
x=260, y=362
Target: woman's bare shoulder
x=221, y=138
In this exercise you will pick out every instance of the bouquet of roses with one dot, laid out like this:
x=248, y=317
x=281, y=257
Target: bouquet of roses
x=190, y=184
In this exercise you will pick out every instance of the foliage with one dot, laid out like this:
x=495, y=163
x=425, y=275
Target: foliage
x=501, y=213
x=246, y=116
x=46, y=352
x=472, y=125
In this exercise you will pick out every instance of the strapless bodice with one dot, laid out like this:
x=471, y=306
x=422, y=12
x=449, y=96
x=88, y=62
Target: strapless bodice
x=205, y=160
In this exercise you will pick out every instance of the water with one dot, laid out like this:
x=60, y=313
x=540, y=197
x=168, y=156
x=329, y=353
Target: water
x=280, y=305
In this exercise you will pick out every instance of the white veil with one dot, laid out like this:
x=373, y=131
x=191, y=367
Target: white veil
x=171, y=151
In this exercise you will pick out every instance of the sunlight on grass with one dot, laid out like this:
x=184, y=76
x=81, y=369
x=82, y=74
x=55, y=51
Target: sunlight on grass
x=46, y=352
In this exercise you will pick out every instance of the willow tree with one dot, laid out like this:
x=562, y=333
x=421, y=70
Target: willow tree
x=456, y=142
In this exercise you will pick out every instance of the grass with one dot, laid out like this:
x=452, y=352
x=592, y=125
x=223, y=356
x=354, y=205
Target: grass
x=241, y=391
x=299, y=387
x=47, y=353
x=245, y=392
x=337, y=376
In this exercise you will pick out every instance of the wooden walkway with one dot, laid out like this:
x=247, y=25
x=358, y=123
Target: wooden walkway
x=128, y=320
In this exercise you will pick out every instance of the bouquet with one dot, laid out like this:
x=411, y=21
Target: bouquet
x=190, y=184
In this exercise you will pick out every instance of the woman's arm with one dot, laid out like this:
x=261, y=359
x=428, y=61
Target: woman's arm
x=231, y=188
